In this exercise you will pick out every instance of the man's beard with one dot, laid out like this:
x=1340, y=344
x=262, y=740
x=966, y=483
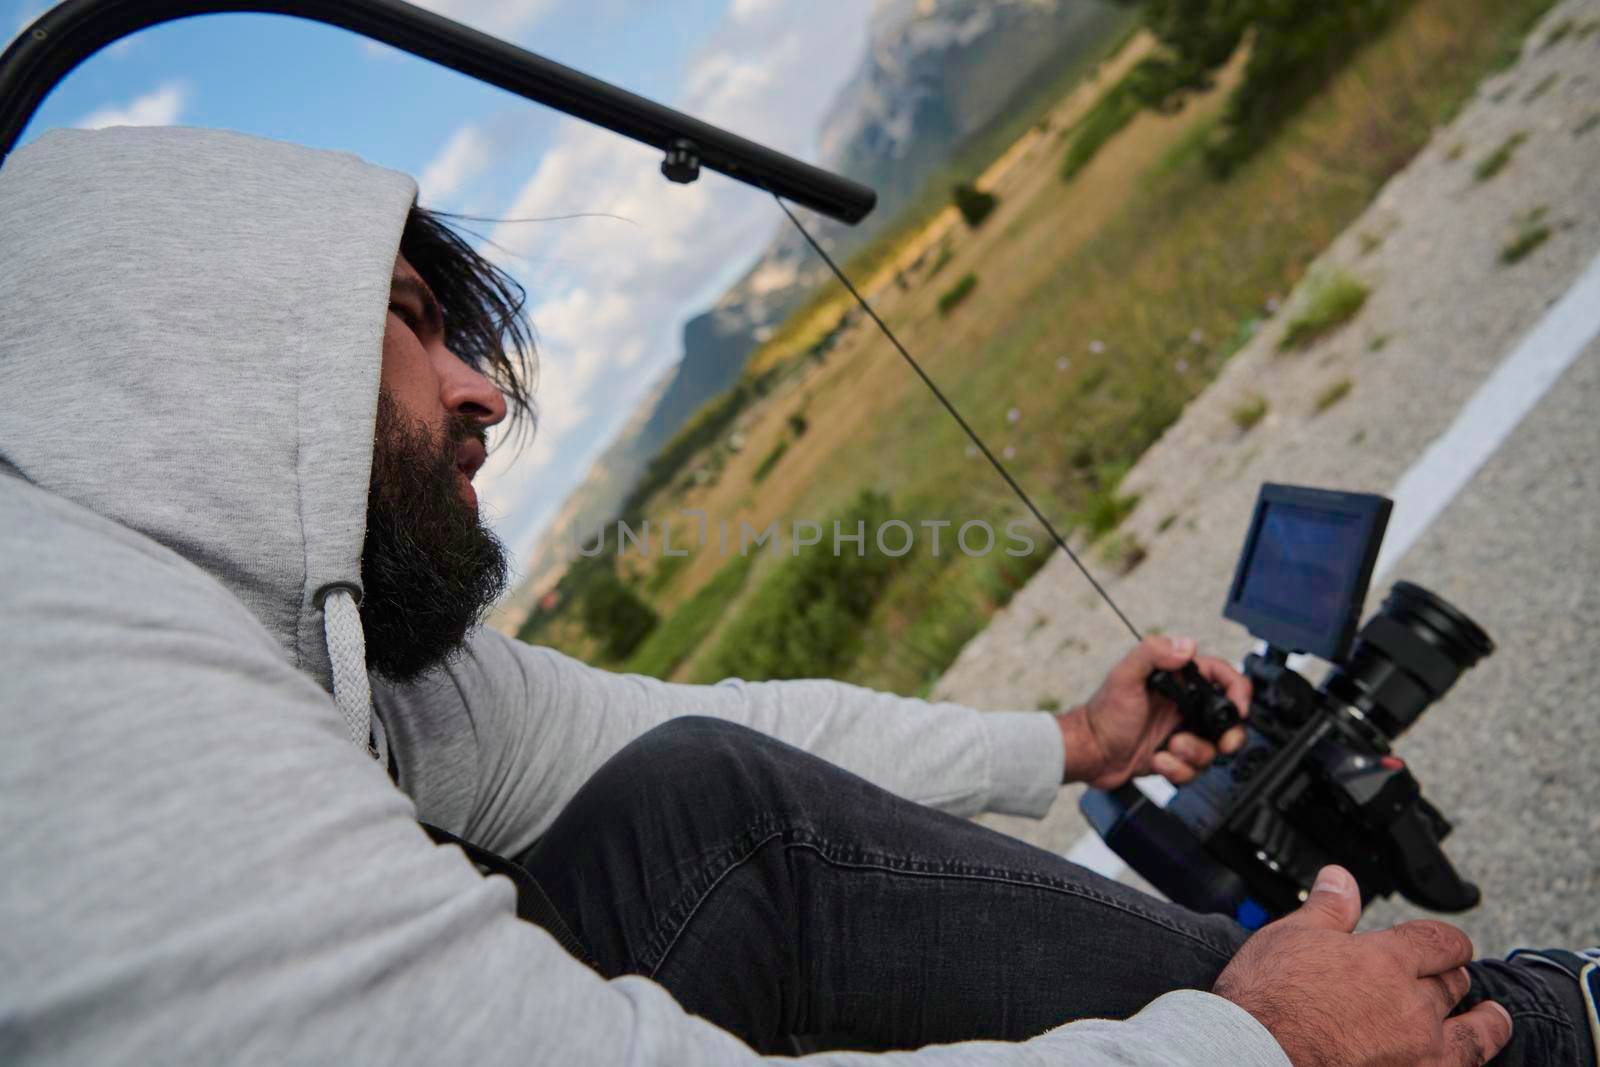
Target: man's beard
x=429, y=567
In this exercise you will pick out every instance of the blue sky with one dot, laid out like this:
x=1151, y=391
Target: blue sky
x=607, y=297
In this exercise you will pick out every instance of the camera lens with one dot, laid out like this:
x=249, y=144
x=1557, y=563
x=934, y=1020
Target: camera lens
x=1406, y=657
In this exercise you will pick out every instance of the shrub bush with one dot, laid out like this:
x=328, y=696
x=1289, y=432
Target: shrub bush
x=805, y=619
x=1332, y=394
x=1248, y=412
x=671, y=642
x=1105, y=510
x=957, y=293
x=974, y=204
x=1115, y=109
x=1528, y=237
x=1496, y=161
x=1330, y=301
x=769, y=461
x=615, y=615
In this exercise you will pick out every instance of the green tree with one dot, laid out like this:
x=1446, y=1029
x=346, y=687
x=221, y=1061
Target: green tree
x=1295, y=46
x=615, y=615
x=973, y=203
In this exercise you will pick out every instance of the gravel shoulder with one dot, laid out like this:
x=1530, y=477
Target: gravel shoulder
x=1512, y=755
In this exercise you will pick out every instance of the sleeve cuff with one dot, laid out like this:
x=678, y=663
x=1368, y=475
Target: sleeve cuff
x=1188, y=1028
x=1025, y=762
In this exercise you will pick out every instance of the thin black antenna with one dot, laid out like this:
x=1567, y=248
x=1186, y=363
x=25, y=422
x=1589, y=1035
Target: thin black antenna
x=951, y=408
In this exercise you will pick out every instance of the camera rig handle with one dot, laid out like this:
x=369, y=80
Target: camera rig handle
x=1423, y=873
x=1206, y=709
x=1382, y=790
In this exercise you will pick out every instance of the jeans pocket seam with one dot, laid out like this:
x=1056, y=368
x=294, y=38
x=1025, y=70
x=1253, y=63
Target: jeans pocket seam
x=739, y=852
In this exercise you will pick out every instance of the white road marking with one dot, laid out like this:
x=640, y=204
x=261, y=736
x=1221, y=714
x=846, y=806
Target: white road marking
x=1448, y=464
x=1500, y=403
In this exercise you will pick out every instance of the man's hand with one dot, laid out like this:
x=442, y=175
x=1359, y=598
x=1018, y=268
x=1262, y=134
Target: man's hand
x=1337, y=999
x=1117, y=735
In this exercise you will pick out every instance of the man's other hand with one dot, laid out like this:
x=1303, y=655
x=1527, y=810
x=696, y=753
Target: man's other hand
x=1119, y=733
x=1333, y=998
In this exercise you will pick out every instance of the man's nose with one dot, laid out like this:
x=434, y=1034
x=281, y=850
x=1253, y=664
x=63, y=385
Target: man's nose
x=465, y=391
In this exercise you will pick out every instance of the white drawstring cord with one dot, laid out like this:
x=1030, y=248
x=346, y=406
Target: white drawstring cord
x=347, y=655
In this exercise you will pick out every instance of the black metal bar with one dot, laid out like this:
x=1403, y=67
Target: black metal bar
x=69, y=33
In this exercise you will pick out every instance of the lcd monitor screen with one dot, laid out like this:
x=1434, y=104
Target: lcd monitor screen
x=1308, y=558
x=1304, y=564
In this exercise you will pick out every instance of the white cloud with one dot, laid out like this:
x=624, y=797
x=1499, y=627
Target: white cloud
x=159, y=108
x=610, y=298
x=603, y=289
x=769, y=74
x=748, y=10
x=499, y=17
x=727, y=85
x=467, y=154
x=492, y=15
x=514, y=482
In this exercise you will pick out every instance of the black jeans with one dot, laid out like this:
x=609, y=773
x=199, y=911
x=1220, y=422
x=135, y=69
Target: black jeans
x=780, y=896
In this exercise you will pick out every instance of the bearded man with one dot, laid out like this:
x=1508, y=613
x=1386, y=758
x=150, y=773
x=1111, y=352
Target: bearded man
x=244, y=388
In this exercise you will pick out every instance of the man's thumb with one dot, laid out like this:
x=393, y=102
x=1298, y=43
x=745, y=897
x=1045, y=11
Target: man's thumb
x=1334, y=903
x=1168, y=653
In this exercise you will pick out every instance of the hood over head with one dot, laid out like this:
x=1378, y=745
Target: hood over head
x=191, y=333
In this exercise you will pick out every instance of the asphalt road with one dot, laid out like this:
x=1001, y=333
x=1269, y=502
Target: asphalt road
x=1513, y=754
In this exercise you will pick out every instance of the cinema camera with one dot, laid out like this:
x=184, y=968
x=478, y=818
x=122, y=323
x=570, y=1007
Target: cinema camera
x=1316, y=782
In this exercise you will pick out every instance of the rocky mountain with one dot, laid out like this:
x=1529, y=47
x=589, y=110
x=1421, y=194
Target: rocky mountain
x=936, y=72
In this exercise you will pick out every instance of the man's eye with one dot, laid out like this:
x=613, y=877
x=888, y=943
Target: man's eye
x=407, y=316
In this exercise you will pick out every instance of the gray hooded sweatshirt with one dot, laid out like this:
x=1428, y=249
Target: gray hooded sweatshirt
x=197, y=865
